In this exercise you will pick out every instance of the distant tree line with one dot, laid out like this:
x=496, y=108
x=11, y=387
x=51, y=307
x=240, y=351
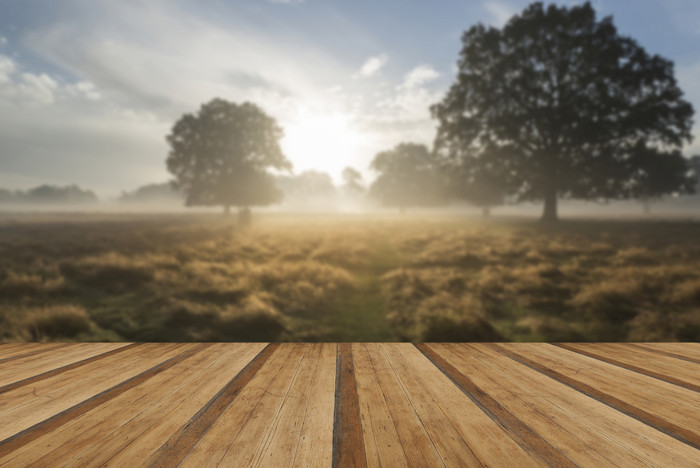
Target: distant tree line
x=48, y=194
x=162, y=193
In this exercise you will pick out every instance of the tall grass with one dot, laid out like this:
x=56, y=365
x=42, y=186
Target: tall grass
x=199, y=278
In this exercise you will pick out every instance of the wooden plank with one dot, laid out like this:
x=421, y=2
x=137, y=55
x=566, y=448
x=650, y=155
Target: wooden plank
x=348, y=445
x=67, y=361
x=315, y=448
x=13, y=349
x=418, y=446
x=282, y=442
x=194, y=398
x=659, y=367
x=381, y=439
x=33, y=365
x=24, y=407
x=61, y=385
x=587, y=431
x=676, y=352
x=445, y=438
x=249, y=444
x=520, y=432
x=104, y=426
x=40, y=349
x=58, y=419
x=244, y=423
x=463, y=433
x=169, y=404
x=666, y=407
x=187, y=436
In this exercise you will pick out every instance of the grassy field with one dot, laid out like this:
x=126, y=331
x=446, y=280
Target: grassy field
x=346, y=278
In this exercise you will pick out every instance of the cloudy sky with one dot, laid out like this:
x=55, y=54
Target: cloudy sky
x=89, y=89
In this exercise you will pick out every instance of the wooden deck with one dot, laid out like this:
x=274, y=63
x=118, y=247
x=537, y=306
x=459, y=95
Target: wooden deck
x=350, y=405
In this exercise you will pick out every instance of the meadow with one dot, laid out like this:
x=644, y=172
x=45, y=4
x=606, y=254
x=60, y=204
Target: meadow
x=177, y=277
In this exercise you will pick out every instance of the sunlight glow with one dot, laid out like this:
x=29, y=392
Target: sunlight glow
x=322, y=142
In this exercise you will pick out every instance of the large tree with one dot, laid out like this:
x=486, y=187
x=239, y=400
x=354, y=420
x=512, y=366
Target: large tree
x=221, y=155
x=409, y=176
x=557, y=103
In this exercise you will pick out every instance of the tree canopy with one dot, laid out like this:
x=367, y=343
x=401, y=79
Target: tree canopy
x=558, y=104
x=409, y=176
x=221, y=155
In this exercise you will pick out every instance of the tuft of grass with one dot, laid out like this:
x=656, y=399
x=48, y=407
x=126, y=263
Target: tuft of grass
x=63, y=322
x=109, y=271
x=27, y=285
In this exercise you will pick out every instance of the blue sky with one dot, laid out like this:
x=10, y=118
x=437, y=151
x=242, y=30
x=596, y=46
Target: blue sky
x=89, y=89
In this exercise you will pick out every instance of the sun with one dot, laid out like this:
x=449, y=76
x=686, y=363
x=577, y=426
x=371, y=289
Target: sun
x=322, y=142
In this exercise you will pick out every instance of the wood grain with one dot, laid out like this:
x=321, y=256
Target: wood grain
x=639, y=361
x=348, y=445
x=525, y=436
x=638, y=397
x=180, y=443
x=360, y=404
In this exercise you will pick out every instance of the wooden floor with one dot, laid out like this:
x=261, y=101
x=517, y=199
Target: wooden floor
x=344, y=405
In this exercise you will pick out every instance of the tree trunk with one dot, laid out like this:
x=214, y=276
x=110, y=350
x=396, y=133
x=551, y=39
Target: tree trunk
x=227, y=210
x=244, y=217
x=646, y=206
x=549, y=214
x=486, y=211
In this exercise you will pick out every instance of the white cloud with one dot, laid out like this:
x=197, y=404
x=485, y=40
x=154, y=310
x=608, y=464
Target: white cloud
x=7, y=68
x=500, y=12
x=419, y=76
x=372, y=65
x=84, y=89
x=18, y=87
x=21, y=87
x=184, y=61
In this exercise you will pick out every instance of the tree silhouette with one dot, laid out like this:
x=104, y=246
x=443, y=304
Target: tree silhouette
x=559, y=103
x=221, y=155
x=408, y=176
x=352, y=182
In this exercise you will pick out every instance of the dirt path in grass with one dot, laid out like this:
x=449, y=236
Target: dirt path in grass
x=360, y=314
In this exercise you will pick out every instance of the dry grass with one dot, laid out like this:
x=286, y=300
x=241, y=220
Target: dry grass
x=62, y=322
x=199, y=278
